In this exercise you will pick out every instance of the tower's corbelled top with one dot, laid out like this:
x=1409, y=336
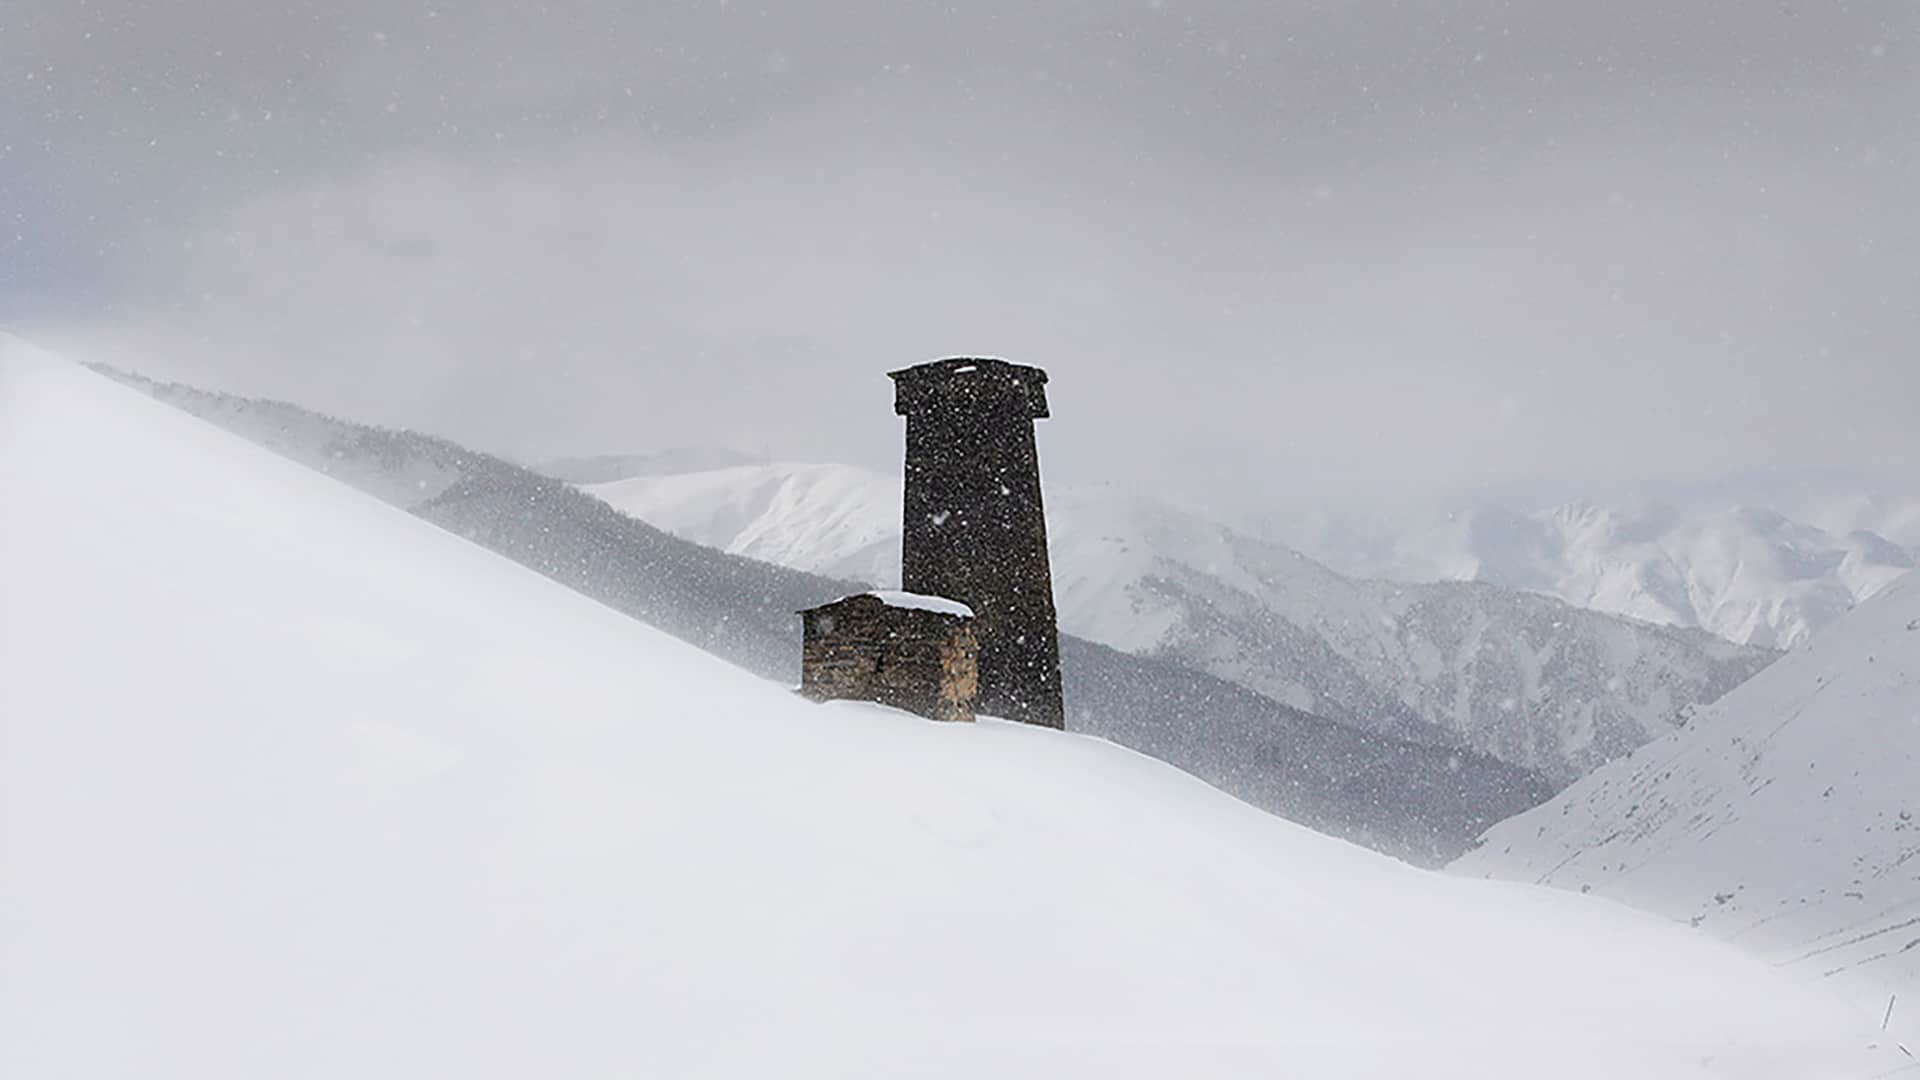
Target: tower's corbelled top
x=974, y=383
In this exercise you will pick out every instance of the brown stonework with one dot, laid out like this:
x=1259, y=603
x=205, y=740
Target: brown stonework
x=863, y=649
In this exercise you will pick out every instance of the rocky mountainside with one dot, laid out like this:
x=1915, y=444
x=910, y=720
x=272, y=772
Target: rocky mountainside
x=1415, y=800
x=1786, y=817
x=1511, y=673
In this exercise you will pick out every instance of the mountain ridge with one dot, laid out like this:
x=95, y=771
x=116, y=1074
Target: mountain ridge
x=1524, y=677
x=1744, y=572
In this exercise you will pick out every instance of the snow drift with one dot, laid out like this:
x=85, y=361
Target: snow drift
x=298, y=785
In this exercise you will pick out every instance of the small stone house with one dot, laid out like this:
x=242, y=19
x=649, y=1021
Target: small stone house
x=906, y=650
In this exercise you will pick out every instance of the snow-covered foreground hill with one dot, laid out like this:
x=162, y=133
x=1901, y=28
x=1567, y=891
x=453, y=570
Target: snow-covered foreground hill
x=1743, y=573
x=1786, y=818
x=1521, y=677
x=296, y=784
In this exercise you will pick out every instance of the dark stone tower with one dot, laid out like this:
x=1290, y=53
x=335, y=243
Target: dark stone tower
x=974, y=528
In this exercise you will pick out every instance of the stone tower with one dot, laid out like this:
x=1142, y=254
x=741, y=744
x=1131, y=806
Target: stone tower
x=974, y=528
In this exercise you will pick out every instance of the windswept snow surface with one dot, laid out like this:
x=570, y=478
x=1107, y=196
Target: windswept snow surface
x=1786, y=818
x=594, y=470
x=296, y=784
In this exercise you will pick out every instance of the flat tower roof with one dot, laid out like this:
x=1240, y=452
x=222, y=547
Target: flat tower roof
x=972, y=380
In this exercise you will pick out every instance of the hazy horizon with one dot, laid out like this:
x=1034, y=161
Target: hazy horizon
x=1266, y=253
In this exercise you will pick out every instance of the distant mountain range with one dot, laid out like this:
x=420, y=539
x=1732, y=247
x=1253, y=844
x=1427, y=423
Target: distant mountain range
x=1414, y=799
x=1511, y=673
x=1744, y=573
x=1786, y=817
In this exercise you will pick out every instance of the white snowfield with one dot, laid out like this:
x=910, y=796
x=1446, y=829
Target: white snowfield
x=297, y=785
x=1786, y=818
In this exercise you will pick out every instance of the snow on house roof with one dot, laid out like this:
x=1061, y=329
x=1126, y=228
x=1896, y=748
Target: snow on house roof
x=894, y=598
x=921, y=602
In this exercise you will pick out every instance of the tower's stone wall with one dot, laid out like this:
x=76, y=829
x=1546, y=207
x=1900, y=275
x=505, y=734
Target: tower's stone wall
x=974, y=525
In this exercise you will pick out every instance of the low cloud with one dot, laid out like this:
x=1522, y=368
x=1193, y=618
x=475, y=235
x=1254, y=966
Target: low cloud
x=1358, y=251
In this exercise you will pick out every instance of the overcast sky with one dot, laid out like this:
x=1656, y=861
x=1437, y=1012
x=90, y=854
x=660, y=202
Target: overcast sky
x=1263, y=248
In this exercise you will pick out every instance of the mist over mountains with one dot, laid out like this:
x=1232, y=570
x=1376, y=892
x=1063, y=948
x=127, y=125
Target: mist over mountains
x=1750, y=573
x=600, y=468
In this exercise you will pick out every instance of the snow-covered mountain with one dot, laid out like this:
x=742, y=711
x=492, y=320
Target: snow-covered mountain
x=1896, y=518
x=1520, y=676
x=1743, y=573
x=1416, y=800
x=298, y=784
x=1785, y=818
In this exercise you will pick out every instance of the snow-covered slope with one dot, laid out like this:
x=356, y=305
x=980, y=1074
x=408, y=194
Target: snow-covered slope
x=296, y=784
x=1785, y=818
x=1512, y=674
x=1743, y=573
